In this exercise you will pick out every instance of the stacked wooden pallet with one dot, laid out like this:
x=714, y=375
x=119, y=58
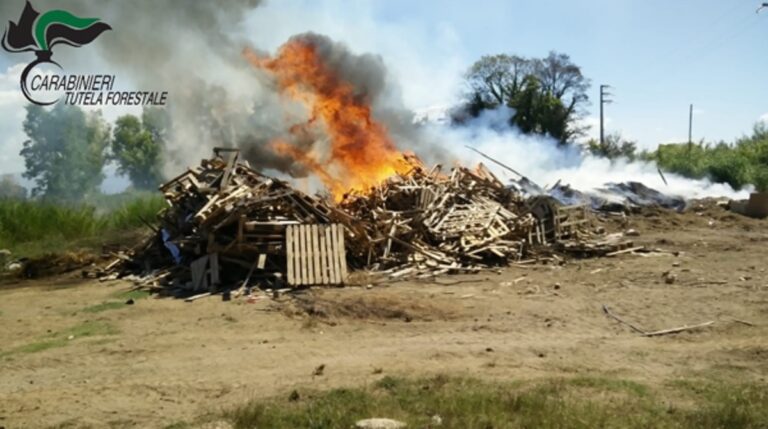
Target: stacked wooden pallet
x=228, y=226
x=315, y=255
x=428, y=223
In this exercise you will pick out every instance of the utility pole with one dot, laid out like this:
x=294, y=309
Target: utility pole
x=603, y=101
x=690, y=128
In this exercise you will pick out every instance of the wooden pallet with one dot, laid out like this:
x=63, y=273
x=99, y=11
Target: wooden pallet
x=315, y=255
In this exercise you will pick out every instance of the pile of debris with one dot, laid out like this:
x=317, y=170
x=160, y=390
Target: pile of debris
x=427, y=223
x=617, y=197
x=230, y=227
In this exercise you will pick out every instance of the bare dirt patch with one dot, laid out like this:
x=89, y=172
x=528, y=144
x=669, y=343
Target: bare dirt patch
x=334, y=306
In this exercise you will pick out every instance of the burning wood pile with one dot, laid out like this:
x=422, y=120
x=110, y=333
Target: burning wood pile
x=230, y=227
x=426, y=223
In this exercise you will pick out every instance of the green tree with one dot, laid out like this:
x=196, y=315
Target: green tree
x=561, y=78
x=65, y=153
x=495, y=79
x=614, y=146
x=137, y=146
x=547, y=95
x=743, y=162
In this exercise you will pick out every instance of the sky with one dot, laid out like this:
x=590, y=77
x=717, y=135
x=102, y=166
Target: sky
x=659, y=56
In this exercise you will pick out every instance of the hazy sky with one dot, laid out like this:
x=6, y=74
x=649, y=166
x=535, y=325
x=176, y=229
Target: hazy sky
x=659, y=55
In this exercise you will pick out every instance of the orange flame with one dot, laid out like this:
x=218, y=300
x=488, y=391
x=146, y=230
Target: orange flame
x=362, y=154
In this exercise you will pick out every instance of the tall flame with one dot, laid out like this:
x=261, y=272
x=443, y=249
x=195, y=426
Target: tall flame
x=362, y=153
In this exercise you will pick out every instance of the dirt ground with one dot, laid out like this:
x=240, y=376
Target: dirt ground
x=161, y=361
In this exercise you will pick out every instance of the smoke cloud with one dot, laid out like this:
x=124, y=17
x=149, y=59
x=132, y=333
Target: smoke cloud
x=543, y=161
x=193, y=50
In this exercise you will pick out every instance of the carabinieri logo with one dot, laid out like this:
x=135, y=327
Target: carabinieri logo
x=40, y=33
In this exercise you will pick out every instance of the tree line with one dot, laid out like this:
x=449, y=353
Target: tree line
x=68, y=148
x=546, y=95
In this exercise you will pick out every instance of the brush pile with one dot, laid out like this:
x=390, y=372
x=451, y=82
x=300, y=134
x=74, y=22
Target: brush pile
x=228, y=227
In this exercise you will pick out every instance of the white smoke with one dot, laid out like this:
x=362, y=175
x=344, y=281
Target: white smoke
x=541, y=160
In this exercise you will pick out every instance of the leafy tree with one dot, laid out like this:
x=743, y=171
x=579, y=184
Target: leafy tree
x=546, y=94
x=137, y=146
x=495, y=79
x=563, y=79
x=613, y=147
x=738, y=164
x=10, y=188
x=65, y=152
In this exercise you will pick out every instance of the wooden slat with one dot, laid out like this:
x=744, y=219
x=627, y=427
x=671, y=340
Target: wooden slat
x=302, y=253
x=310, y=267
x=336, y=264
x=307, y=251
x=310, y=254
x=342, y=257
x=316, y=254
x=336, y=260
x=289, y=254
x=323, y=255
x=261, y=262
x=329, y=247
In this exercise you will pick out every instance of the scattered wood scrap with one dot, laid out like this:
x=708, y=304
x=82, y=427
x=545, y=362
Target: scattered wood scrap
x=645, y=333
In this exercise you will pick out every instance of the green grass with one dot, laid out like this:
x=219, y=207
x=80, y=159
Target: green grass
x=135, y=294
x=122, y=296
x=584, y=402
x=30, y=228
x=61, y=338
